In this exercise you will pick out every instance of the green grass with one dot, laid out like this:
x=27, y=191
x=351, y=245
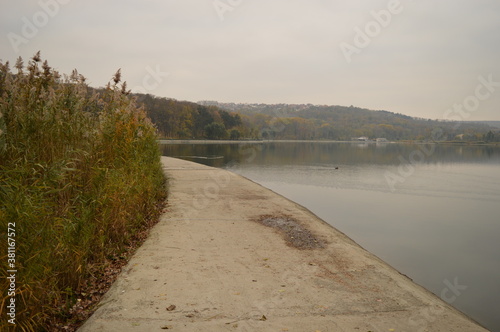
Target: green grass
x=80, y=173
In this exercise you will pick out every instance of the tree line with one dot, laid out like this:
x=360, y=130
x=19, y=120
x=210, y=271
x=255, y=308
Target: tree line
x=187, y=120
x=213, y=120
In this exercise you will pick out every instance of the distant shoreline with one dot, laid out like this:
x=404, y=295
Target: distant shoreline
x=254, y=141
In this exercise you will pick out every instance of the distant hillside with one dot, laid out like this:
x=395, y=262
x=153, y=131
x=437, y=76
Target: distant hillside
x=212, y=120
x=494, y=124
x=187, y=120
x=307, y=121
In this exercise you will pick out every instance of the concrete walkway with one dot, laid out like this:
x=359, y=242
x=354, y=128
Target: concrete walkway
x=210, y=265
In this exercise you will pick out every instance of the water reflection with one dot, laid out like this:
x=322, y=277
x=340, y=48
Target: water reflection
x=328, y=153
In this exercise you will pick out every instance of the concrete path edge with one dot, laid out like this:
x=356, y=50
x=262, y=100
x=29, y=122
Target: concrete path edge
x=219, y=261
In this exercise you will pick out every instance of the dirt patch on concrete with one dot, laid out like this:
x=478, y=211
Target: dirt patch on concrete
x=295, y=234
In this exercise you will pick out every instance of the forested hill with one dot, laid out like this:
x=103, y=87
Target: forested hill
x=213, y=120
x=494, y=124
x=307, y=121
x=188, y=120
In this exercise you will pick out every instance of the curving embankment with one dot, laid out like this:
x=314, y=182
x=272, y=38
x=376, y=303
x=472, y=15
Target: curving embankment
x=231, y=255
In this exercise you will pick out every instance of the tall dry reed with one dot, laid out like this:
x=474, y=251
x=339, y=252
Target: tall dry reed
x=80, y=172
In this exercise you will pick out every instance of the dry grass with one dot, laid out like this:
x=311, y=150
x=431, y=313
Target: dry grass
x=80, y=173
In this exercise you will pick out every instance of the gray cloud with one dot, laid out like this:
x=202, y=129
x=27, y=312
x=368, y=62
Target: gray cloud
x=426, y=59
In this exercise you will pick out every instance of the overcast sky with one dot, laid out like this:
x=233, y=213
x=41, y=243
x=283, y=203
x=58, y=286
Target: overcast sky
x=436, y=59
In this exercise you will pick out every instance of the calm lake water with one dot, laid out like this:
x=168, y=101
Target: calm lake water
x=432, y=212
